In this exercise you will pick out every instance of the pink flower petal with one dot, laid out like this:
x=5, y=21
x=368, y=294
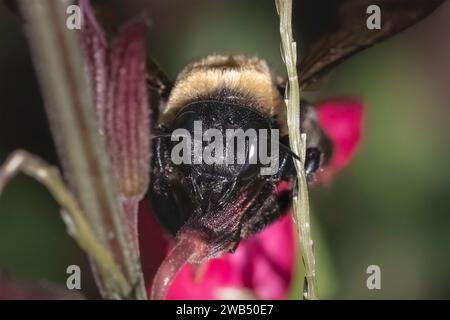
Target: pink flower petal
x=263, y=264
x=267, y=259
x=154, y=242
x=342, y=121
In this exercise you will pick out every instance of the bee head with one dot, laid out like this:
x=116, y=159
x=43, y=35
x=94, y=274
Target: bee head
x=217, y=149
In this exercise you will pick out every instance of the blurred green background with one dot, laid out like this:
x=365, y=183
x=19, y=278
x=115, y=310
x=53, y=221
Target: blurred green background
x=390, y=207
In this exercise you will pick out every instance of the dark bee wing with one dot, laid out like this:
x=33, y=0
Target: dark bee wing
x=341, y=29
x=157, y=80
x=159, y=87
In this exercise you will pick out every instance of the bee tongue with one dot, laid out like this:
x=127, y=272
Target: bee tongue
x=205, y=235
x=185, y=248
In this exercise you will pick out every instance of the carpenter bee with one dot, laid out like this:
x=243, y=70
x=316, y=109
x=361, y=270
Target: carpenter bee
x=210, y=208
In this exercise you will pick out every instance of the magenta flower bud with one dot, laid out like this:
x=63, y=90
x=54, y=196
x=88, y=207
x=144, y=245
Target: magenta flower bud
x=117, y=73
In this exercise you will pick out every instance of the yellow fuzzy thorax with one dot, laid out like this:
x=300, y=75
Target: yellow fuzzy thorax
x=247, y=81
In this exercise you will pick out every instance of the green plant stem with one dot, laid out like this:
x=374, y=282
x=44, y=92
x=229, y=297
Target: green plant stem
x=73, y=216
x=61, y=70
x=298, y=146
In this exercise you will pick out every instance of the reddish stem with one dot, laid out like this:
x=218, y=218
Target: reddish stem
x=178, y=256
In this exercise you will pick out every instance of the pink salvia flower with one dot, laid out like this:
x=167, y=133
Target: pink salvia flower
x=263, y=266
x=342, y=121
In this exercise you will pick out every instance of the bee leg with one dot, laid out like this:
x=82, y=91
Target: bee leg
x=169, y=209
x=267, y=212
x=237, y=241
x=312, y=163
x=235, y=245
x=319, y=147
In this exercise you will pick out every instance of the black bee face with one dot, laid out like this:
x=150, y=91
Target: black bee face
x=225, y=119
x=221, y=186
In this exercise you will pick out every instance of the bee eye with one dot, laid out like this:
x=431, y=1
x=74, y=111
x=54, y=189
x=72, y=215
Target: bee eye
x=250, y=168
x=185, y=118
x=252, y=152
